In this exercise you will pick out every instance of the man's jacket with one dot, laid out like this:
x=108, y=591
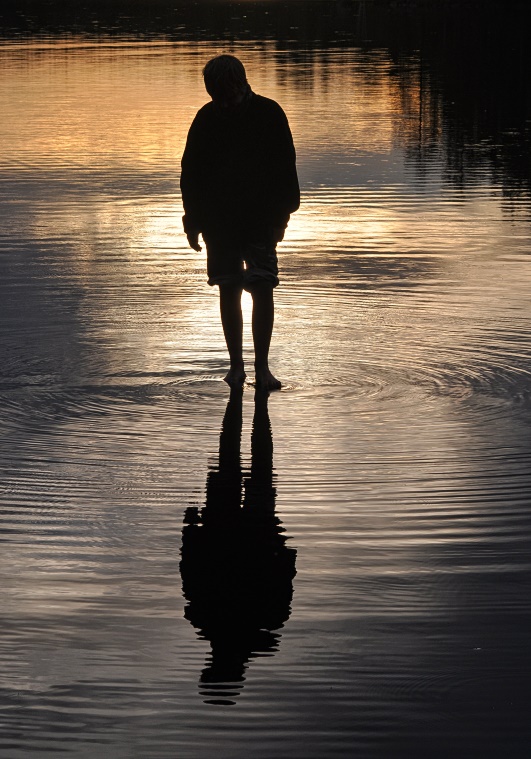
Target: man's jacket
x=238, y=174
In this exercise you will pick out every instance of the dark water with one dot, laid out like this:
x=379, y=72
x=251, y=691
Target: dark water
x=343, y=569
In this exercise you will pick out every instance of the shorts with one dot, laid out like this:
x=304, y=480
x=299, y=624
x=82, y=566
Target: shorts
x=241, y=263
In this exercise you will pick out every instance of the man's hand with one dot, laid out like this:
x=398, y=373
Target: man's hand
x=278, y=234
x=193, y=240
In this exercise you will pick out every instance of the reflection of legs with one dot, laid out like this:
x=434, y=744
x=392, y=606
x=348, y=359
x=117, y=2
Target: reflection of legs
x=259, y=491
x=230, y=437
x=263, y=319
x=224, y=482
x=261, y=442
x=231, y=318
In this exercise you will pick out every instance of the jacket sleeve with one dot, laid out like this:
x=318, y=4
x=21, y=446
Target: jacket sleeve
x=286, y=196
x=191, y=179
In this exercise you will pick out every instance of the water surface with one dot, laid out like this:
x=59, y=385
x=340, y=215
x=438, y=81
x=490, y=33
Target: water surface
x=339, y=570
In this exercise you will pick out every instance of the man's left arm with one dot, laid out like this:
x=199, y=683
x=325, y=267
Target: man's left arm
x=286, y=192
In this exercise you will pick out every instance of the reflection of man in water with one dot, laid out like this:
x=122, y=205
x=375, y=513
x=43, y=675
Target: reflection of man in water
x=236, y=569
x=239, y=186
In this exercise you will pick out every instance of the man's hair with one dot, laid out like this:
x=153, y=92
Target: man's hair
x=223, y=75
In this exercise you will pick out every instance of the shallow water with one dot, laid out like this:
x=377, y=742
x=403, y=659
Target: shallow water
x=169, y=589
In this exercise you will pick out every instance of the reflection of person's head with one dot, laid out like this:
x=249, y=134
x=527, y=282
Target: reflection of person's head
x=225, y=81
x=236, y=569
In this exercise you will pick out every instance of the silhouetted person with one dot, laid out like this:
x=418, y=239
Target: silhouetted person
x=239, y=186
x=236, y=569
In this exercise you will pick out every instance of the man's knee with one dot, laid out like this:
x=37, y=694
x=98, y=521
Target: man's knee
x=230, y=294
x=230, y=288
x=260, y=289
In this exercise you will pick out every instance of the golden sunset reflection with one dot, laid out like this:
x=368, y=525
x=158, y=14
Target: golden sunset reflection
x=78, y=106
x=89, y=109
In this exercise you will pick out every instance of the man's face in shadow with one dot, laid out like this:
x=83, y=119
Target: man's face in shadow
x=229, y=97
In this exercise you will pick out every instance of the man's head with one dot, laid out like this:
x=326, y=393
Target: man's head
x=225, y=80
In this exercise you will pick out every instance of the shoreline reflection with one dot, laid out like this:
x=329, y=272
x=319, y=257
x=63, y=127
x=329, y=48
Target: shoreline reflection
x=236, y=568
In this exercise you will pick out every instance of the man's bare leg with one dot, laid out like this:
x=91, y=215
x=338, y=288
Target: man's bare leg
x=263, y=320
x=230, y=304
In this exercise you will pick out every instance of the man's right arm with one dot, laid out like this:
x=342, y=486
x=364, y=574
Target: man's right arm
x=193, y=239
x=190, y=183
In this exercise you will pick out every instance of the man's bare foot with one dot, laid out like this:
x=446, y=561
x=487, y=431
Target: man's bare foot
x=235, y=376
x=266, y=381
